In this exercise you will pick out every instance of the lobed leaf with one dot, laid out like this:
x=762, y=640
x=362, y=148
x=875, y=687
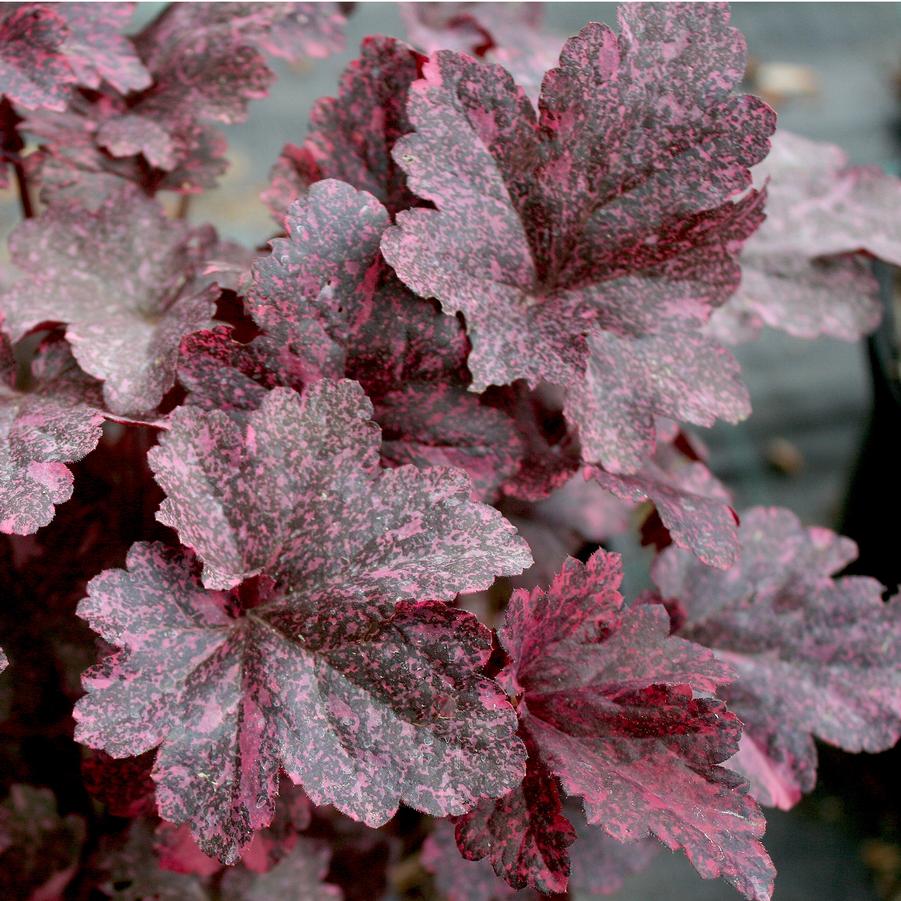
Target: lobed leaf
x=54, y=421
x=799, y=271
x=352, y=135
x=365, y=705
x=607, y=700
x=34, y=72
x=127, y=283
x=815, y=656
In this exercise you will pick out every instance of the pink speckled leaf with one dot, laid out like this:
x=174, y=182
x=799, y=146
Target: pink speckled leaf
x=456, y=878
x=629, y=382
x=797, y=272
x=594, y=214
x=319, y=281
x=55, y=420
x=95, y=48
x=127, y=282
x=816, y=656
x=88, y=151
x=693, y=505
x=352, y=135
x=43, y=848
x=608, y=702
x=204, y=60
x=330, y=307
x=177, y=850
x=294, y=491
x=364, y=704
x=525, y=834
x=33, y=70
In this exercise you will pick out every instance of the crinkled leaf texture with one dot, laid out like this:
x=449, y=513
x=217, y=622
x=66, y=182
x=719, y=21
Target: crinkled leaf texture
x=800, y=271
x=815, y=656
x=330, y=307
x=364, y=704
x=55, y=420
x=34, y=72
x=352, y=135
x=608, y=701
x=125, y=280
x=603, y=227
x=294, y=491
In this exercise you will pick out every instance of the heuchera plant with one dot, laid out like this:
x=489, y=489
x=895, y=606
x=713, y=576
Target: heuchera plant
x=253, y=499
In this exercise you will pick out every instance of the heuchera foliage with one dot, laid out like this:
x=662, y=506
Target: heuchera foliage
x=244, y=657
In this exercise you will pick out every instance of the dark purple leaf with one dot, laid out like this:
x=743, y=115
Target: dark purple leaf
x=124, y=785
x=330, y=307
x=364, y=704
x=295, y=492
x=610, y=212
x=352, y=135
x=524, y=835
x=33, y=70
x=815, y=656
x=42, y=848
x=95, y=48
x=52, y=420
x=607, y=699
x=125, y=280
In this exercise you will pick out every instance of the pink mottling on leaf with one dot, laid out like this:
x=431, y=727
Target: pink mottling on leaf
x=364, y=704
x=33, y=70
x=799, y=271
x=815, y=656
x=609, y=702
x=55, y=420
x=127, y=283
x=544, y=232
